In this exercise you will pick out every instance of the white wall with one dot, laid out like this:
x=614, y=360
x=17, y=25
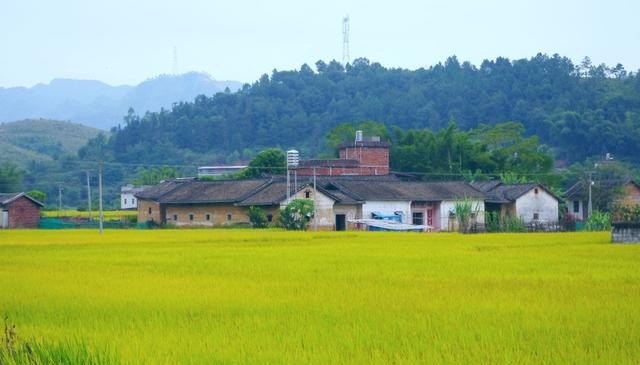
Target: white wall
x=388, y=207
x=449, y=206
x=324, y=207
x=542, y=203
x=128, y=201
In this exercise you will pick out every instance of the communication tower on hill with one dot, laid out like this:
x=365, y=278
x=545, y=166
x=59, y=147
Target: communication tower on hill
x=345, y=40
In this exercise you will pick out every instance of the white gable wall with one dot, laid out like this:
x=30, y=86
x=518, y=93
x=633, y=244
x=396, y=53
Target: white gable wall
x=325, y=216
x=388, y=207
x=542, y=203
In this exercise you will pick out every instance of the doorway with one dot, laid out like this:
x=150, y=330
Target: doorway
x=341, y=222
x=4, y=219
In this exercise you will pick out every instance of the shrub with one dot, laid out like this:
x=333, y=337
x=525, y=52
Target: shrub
x=297, y=214
x=257, y=217
x=598, y=221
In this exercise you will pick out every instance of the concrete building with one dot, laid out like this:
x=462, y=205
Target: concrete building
x=531, y=202
x=128, y=198
x=18, y=210
x=366, y=156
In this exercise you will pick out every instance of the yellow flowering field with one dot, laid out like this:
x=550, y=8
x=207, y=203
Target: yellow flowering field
x=108, y=214
x=214, y=296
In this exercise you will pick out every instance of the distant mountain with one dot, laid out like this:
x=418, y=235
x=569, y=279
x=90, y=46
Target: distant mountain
x=96, y=104
x=41, y=140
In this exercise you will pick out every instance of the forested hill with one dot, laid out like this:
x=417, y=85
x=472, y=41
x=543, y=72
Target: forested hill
x=578, y=110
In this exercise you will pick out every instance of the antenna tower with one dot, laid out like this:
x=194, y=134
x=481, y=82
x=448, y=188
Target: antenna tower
x=345, y=40
x=175, y=61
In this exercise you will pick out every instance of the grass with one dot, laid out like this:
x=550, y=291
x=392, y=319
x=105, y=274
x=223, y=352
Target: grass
x=274, y=297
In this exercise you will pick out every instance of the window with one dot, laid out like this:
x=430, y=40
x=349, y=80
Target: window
x=307, y=194
x=175, y=217
x=228, y=217
x=418, y=218
x=269, y=218
x=576, y=206
x=536, y=216
x=207, y=217
x=133, y=200
x=535, y=190
x=125, y=201
x=191, y=217
x=149, y=210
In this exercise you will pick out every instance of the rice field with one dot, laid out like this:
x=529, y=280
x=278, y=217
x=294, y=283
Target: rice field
x=274, y=297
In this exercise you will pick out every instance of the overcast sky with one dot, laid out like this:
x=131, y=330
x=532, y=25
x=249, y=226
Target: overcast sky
x=128, y=41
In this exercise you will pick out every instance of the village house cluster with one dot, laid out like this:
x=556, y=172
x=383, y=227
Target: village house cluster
x=355, y=188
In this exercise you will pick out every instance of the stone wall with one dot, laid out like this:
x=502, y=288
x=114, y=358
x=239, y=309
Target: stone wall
x=625, y=233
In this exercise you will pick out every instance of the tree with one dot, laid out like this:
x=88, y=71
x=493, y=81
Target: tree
x=297, y=214
x=271, y=161
x=346, y=132
x=38, y=195
x=10, y=177
x=257, y=217
x=154, y=175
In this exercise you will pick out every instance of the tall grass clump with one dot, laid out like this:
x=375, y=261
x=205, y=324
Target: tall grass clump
x=38, y=352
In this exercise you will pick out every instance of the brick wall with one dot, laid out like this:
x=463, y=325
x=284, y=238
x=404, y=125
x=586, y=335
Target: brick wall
x=148, y=211
x=373, y=160
x=23, y=213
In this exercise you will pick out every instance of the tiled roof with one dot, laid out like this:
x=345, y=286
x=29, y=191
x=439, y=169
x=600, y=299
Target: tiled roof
x=578, y=191
x=7, y=198
x=221, y=191
x=498, y=192
x=343, y=189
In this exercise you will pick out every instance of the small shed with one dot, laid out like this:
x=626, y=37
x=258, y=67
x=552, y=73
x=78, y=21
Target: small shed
x=18, y=210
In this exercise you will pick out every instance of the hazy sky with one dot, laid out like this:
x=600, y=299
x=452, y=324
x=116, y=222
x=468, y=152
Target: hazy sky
x=127, y=41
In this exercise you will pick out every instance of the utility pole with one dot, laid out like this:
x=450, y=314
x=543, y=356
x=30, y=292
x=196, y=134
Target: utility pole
x=60, y=189
x=315, y=209
x=590, y=206
x=89, y=194
x=100, y=195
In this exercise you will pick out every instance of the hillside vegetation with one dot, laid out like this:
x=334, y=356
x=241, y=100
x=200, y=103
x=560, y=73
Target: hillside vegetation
x=275, y=297
x=41, y=140
x=578, y=111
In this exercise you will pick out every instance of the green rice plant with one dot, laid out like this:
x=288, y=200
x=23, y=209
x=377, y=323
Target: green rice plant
x=35, y=352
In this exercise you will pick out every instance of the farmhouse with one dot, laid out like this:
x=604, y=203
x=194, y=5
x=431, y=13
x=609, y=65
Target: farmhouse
x=531, y=202
x=127, y=196
x=18, y=210
x=625, y=192
x=339, y=200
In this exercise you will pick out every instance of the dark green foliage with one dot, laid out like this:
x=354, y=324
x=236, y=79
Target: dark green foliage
x=271, y=161
x=10, y=177
x=258, y=217
x=154, y=175
x=598, y=221
x=297, y=214
x=501, y=150
x=580, y=110
x=38, y=195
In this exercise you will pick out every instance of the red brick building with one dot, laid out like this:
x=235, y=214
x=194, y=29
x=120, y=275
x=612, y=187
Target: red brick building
x=18, y=210
x=362, y=158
